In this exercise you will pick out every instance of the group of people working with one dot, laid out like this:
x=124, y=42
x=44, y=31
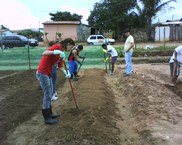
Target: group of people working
x=175, y=60
x=54, y=58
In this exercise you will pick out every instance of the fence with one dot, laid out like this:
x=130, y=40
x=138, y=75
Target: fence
x=28, y=58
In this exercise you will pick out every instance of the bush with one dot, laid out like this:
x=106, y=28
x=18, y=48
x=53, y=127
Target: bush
x=141, y=52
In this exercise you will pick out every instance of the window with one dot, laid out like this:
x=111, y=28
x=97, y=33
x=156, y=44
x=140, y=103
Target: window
x=15, y=38
x=100, y=37
x=93, y=37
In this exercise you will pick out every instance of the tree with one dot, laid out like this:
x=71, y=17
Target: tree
x=58, y=36
x=65, y=16
x=31, y=34
x=111, y=15
x=137, y=17
x=150, y=10
x=45, y=34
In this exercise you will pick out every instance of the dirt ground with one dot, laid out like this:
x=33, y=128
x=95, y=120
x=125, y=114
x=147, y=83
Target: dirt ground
x=113, y=110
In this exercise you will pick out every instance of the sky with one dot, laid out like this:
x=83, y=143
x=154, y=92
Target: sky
x=23, y=14
x=170, y=13
x=26, y=14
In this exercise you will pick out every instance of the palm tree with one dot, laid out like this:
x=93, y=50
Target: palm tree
x=45, y=34
x=150, y=10
x=58, y=34
x=137, y=17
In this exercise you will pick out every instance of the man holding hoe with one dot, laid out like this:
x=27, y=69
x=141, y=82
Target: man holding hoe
x=73, y=61
x=113, y=53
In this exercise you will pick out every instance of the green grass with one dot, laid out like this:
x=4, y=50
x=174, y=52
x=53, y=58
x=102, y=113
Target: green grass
x=18, y=58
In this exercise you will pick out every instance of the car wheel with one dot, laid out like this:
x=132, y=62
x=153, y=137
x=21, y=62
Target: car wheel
x=26, y=45
x=91, y=44
x=3, y=46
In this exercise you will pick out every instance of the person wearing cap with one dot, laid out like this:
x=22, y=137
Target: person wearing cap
x=175, y=63
x=128, y=52
x=54, y=54
x=73, y=61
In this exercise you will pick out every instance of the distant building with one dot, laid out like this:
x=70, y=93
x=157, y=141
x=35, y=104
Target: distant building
x=5, y=31
x=169, y=31
x=68, y=29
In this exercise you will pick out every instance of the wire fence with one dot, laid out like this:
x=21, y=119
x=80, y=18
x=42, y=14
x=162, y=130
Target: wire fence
x=22, y=58
x=28, y=58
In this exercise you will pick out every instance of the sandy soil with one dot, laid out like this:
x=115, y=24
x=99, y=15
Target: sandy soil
x=112, y=110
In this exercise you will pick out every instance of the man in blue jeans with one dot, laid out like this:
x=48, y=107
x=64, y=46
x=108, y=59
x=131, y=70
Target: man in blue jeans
x=128, y=52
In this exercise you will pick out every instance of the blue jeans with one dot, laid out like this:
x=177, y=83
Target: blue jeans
x=128, y=61
x=54, y=78
x=46, y=85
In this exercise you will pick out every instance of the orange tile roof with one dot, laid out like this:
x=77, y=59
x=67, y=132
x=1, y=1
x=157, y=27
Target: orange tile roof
x=61, y=22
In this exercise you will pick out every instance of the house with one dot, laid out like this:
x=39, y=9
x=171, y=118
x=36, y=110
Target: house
x=169, y=31
x=5, y=31
x=68, y=29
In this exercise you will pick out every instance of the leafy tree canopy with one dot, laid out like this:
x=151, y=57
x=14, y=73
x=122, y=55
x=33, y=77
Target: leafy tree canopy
x=116, y=15
x=65, y=16
x=150, y=10
x=31, y=34
x=111, y=14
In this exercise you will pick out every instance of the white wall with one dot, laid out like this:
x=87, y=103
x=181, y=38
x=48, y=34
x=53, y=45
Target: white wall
x=162, y=33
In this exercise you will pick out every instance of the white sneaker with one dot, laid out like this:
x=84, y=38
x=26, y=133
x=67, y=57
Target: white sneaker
x=111, y=73
x=54, y=97
x=172, y=85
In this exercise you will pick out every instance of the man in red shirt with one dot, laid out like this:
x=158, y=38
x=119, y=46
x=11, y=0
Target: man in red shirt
x=52, y=55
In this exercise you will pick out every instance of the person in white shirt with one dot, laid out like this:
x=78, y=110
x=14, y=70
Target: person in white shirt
x=112, y=51
x=128, y=52
x=175, y=63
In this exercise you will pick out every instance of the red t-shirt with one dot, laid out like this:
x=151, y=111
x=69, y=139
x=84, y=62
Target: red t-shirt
x=47, y=61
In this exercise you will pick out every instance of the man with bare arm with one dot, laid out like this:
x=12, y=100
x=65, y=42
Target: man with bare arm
x=175, y=63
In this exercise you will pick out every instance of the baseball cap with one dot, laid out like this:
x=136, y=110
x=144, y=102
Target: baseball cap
x=126, y=30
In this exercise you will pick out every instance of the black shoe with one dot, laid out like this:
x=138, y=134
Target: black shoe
x=128, y=74
x=53, y=115
x=75, y=79
x=51, y=121
x=47, y=117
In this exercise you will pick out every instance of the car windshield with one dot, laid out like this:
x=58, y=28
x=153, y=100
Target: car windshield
x=23, y=38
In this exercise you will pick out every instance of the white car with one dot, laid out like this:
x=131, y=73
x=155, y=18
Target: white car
x=99, y=40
